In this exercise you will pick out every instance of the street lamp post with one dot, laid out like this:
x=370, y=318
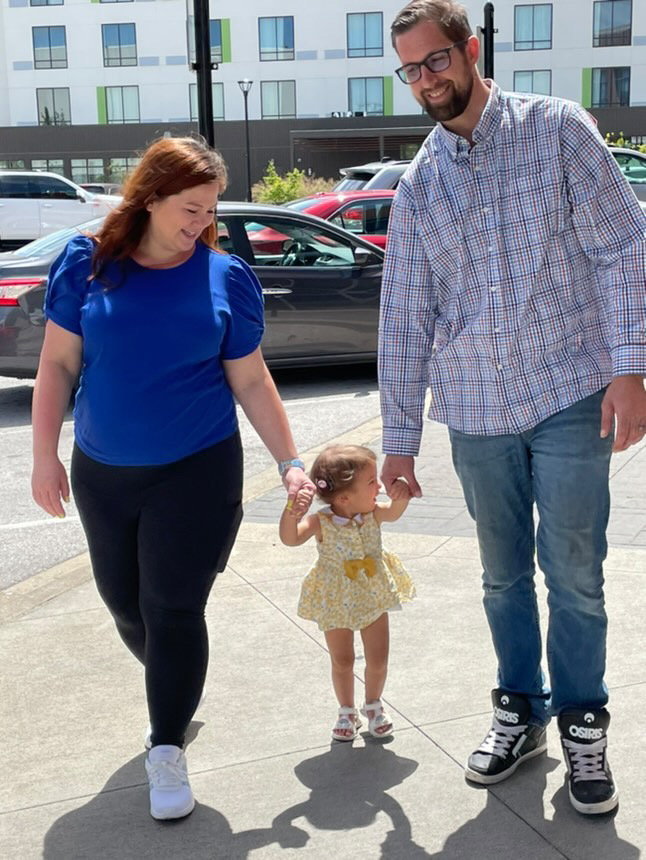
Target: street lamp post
x=245, y=85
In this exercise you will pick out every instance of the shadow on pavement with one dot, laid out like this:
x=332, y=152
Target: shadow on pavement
x=348, y=789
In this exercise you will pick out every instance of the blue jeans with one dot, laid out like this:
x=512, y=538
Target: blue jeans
x=562, y=465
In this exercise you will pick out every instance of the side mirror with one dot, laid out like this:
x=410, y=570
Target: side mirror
x=362, y=256
x=81, y=197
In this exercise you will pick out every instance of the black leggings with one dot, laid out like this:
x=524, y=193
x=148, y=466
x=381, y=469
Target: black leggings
x=157, y=537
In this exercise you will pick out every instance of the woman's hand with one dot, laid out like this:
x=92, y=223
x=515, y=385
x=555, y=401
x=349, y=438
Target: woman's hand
x=49, y=485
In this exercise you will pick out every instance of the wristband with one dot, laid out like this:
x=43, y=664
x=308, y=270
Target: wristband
x=285, y=465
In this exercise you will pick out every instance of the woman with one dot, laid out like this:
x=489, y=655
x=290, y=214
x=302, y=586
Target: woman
x=164, y=331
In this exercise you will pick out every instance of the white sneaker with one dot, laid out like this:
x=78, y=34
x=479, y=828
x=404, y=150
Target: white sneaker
x=170, y=792
x=149, y=730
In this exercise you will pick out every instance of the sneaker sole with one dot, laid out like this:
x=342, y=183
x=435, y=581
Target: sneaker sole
x=493, y=778
x=594, y=808
x=168, y=816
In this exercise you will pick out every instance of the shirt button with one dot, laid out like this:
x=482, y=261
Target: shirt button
x=499, y=367
x=477, y=168
x=486, y=210
x=493, y=289
x=490, y=249
x=497, y=329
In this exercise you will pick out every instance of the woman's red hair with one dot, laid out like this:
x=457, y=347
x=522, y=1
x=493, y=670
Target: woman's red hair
x=169, y=165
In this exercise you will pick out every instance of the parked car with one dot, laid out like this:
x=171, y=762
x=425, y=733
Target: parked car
x=34, y=203
x=101, y=187
x=364, y=213
x=633, y=166
x=320, y=283
x=374, y=175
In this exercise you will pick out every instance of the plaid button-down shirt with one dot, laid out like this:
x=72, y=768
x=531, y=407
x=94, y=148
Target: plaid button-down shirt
x=515, y=275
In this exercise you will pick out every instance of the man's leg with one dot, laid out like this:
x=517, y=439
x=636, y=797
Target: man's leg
x=496, y=480
x=497, y=483
x=571, y=465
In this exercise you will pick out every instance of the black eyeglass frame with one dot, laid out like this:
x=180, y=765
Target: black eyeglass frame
x=400, y=71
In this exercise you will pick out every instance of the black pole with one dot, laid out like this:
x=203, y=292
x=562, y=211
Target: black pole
x=245, y=93
x=202, y=67
x=488, y=31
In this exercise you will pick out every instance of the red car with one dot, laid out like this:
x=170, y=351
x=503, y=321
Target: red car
x=363, y=213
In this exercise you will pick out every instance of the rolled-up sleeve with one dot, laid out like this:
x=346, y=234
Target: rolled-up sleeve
x=406, y=328
x=611, y=228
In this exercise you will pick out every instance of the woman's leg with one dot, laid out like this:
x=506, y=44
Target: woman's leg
x=376, y=641
x=187, y=527
x=107, y=500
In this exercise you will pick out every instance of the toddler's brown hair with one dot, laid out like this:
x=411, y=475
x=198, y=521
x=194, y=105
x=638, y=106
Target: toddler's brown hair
x=336, y=467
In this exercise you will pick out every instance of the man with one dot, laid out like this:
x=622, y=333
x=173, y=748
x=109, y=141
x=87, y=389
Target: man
x=515, y=288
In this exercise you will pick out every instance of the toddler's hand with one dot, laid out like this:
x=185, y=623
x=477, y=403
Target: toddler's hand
x=399, y=489
x=299, y=505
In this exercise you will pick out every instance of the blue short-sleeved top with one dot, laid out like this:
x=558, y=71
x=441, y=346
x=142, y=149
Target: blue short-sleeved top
x=152, y=387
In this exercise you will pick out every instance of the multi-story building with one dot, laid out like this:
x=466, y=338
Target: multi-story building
x=67, y=64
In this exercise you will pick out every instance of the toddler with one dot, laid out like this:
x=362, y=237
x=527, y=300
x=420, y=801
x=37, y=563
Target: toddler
x=355, y=582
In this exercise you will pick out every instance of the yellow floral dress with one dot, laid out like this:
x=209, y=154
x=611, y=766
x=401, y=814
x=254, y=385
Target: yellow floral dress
x=354, y=580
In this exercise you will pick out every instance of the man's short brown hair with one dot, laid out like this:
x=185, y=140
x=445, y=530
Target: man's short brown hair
x=450, y=17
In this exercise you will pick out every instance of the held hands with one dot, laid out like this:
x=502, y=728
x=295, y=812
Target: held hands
x=300, y=491
x=399, y=490
x=49, y=485
x=396, y=467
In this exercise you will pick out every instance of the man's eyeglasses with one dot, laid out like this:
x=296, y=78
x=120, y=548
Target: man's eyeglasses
x=436, y=61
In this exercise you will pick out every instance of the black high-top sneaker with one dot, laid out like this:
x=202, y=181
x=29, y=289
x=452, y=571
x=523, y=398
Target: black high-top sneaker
x=584, y=741
x=511, y=740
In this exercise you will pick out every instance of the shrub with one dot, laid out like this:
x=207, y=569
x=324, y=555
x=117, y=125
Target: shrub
x=274, y=188
x=617, y=139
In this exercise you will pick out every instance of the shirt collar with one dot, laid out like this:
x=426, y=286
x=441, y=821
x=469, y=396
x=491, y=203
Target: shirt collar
x=487, y=124
x=342, y=521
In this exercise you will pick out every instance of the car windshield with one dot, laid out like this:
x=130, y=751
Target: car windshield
x=55, y=241
x=632, y=166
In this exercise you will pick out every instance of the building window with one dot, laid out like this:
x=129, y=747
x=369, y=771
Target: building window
x=50, y=47
x=122, y=104
x=365, y=34
x=12, y=164
x=116, y=1
x=119, y=45
x=215, y=35
x=87, y=170
x=366, y=96
x=612, y=24
x=278, y=99
x=611, y=87
x=53, y=106
x=217, y=94
x=276, y=38
x=45, y=2
x=116, y=169
x=538, y=82
x=51, y=165
x=533, y=27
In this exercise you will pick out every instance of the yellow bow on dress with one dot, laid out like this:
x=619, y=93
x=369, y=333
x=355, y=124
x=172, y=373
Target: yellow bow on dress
x=354, y=566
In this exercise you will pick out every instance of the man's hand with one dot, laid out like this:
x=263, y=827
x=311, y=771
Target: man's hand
x=625, y=401
x=396, y=466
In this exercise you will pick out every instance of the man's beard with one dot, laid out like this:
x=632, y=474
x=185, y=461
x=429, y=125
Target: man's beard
x=455, y=107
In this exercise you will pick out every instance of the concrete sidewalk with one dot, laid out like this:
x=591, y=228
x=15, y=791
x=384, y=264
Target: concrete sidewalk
x=267, y=779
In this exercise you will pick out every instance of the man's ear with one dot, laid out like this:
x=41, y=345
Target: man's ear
x=472, y=49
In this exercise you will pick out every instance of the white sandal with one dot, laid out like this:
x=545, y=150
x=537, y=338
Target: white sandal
x=348, y=721
x=380, y=724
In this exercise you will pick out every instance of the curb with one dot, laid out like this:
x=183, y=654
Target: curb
x=23, y=597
